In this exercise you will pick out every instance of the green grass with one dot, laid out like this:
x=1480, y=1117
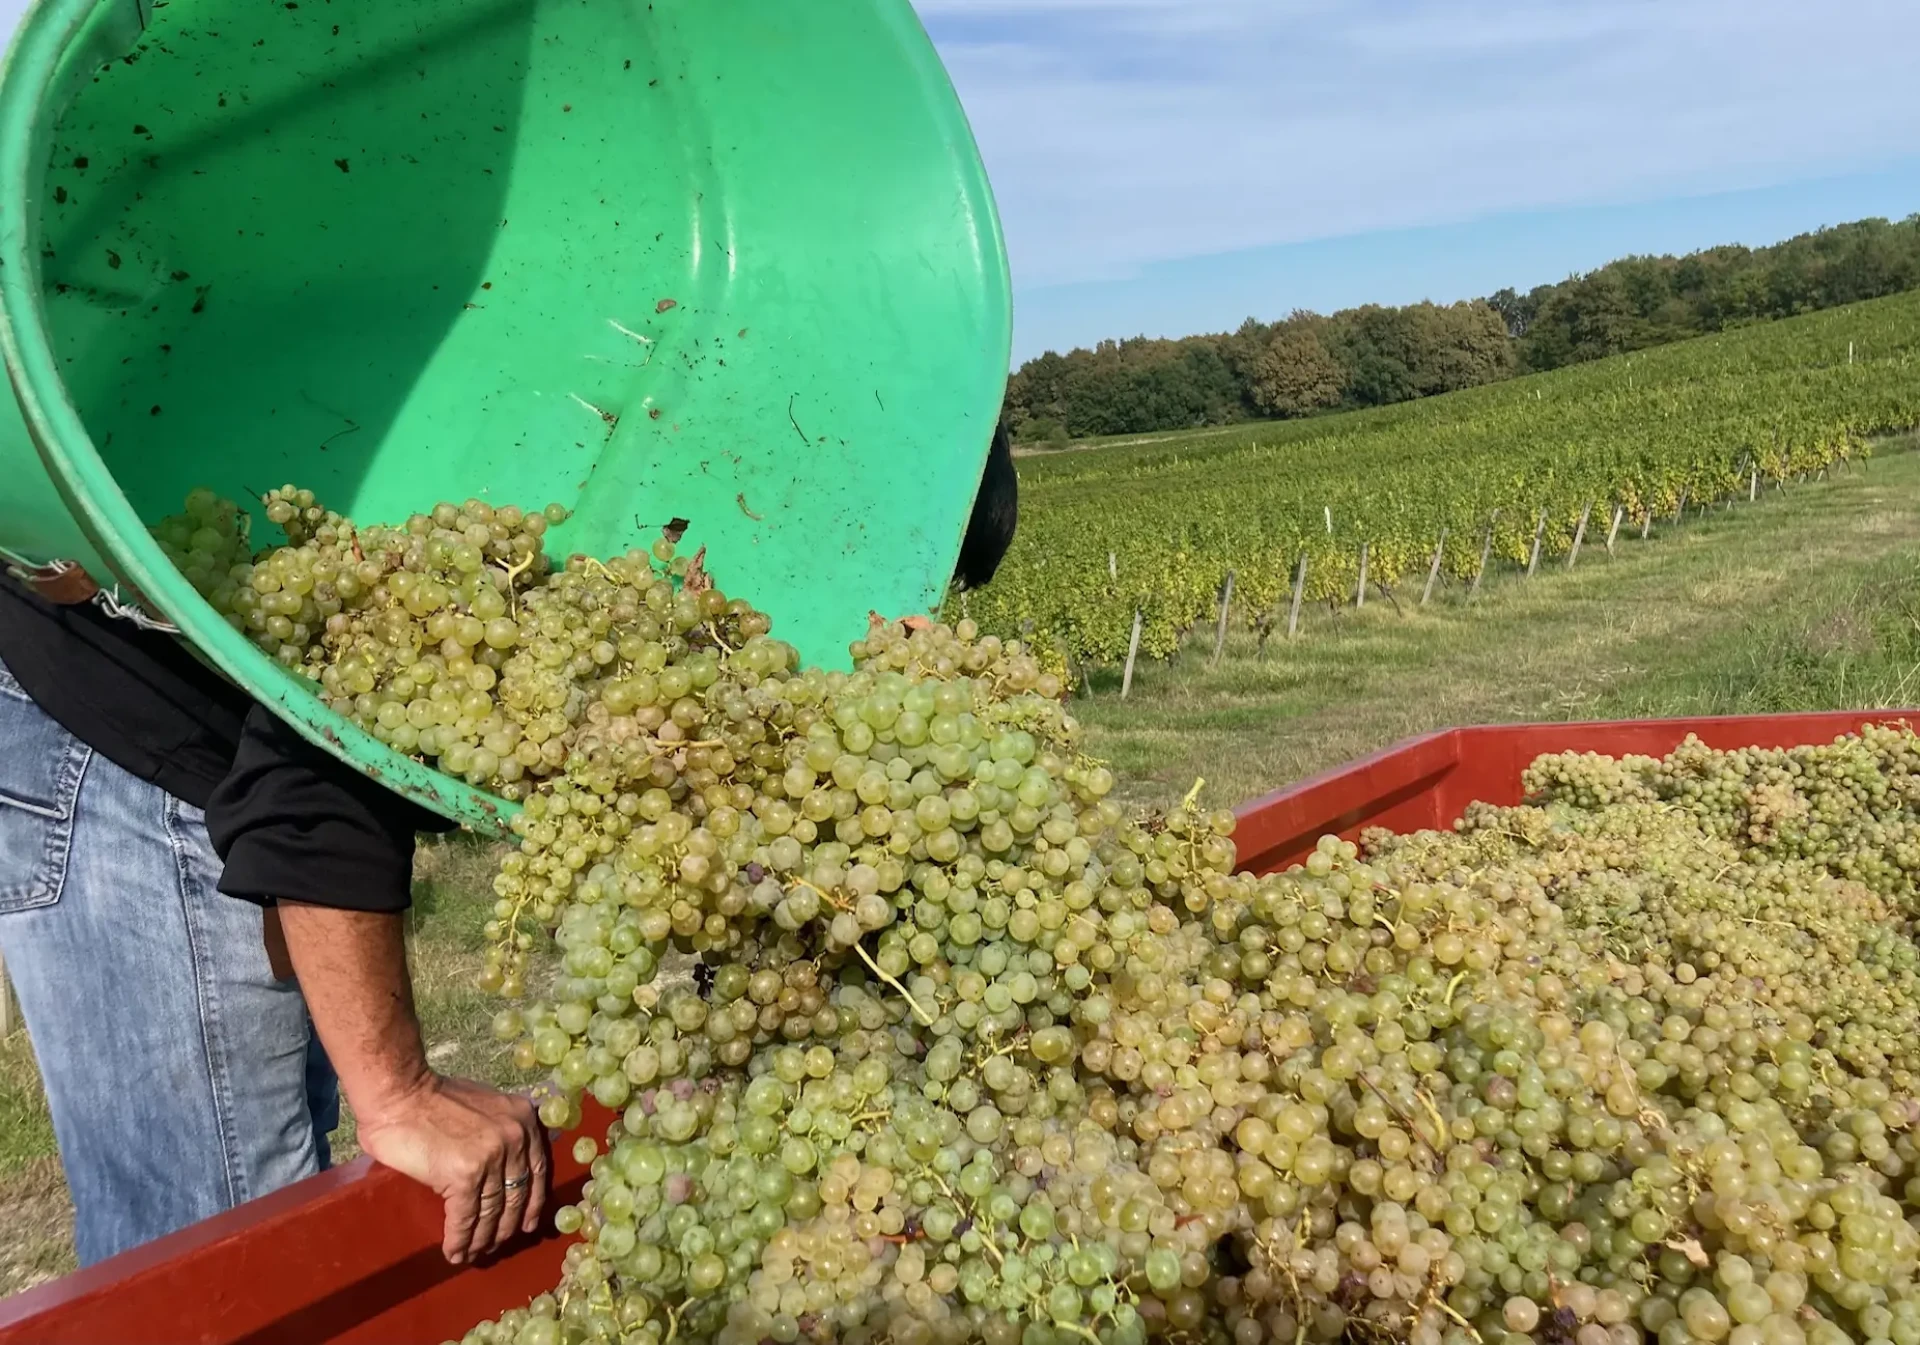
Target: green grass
x=452, y=899
x=26, y=1129
x=1808, y=600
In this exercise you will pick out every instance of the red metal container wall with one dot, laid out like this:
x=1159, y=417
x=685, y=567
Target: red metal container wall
x=353, y=1257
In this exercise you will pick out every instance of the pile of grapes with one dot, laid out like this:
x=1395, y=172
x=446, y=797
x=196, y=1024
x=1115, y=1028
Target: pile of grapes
x=970, y=1053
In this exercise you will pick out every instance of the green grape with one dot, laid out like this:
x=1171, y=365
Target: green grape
x=911, y=1033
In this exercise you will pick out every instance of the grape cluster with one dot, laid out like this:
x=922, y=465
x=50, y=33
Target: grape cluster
x=1849, y=807
x=206, y=541
x=452, y=638
x=972, y=1053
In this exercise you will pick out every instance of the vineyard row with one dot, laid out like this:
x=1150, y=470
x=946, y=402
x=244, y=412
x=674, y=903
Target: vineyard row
x=1448, y=487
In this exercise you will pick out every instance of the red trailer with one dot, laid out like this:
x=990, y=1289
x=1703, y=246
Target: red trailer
x=354, y=1255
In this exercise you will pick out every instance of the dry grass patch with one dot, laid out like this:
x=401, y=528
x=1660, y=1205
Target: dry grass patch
x=36, y=1226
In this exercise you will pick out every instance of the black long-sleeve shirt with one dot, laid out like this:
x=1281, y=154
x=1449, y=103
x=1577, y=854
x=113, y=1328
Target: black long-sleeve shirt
x=288, y=820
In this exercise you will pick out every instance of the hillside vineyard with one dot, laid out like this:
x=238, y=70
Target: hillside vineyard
x=1155, y=527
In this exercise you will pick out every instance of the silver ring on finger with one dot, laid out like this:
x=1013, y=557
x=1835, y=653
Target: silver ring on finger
x=515, y=1183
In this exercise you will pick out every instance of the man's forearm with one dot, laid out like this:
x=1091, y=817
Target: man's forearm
x=482, y=1151
x=352, y=967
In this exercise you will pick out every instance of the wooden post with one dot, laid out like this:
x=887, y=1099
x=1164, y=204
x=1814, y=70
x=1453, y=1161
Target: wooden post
x=1433, y=570
x=1619, y=512
x=1299, y=587
x=1539, y=535
x=1486, y=550
x=1133, y=652
x=1220, y=633
x=1680, y=510
x=1646, y=524
x=1753, y=484
x=1360, y=593
x=1579, y=535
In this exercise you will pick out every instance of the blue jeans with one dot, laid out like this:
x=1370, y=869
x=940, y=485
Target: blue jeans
x=182, y=1076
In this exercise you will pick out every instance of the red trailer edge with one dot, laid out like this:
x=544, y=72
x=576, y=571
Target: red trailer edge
x=352, y=1257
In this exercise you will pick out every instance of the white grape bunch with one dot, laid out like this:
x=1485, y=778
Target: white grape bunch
x=974, y=1053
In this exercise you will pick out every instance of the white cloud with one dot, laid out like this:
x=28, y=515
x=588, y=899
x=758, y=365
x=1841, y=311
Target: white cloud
x=1123, y=132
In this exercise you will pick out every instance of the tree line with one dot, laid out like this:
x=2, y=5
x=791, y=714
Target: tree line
x=1309, y=363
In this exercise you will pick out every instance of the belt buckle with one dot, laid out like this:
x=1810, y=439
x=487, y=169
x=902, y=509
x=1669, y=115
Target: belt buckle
x=61, y=581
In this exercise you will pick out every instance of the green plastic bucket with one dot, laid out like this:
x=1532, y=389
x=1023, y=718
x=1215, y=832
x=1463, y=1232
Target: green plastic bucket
x=734, y=261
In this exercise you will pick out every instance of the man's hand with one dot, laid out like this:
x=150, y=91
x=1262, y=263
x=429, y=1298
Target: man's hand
x=911, y=623
x=484, y=1154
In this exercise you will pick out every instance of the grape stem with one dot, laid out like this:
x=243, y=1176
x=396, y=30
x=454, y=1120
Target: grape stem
x=984, y=1223
x=1439, y=1122
x=673, y=1322
x=662, y=746
x=838, y=904
x=513, y=572
x=1193, y=795
x=926, y=1019
x=1464, y=1324
x=1405, y=1119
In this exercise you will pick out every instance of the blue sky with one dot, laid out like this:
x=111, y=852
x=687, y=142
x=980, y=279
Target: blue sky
x=1173, y=166
x=1170, y=166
